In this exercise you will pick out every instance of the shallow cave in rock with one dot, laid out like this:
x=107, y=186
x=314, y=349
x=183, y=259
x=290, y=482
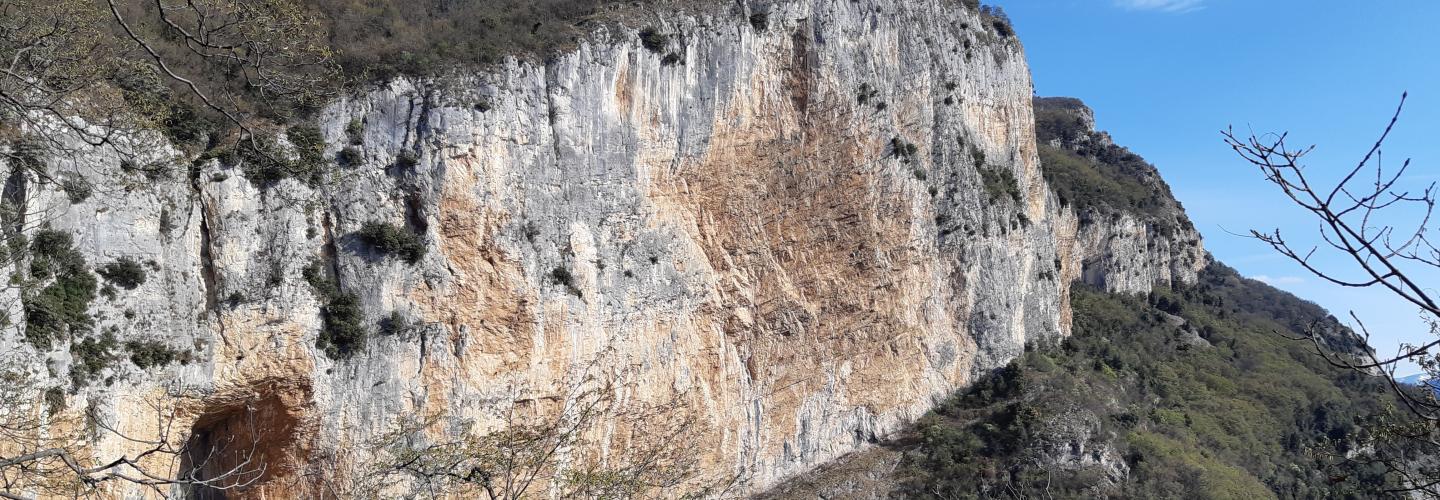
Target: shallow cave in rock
x=244, y=446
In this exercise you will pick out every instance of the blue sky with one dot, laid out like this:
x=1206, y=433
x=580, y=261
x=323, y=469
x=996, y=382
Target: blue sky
x=1165, y=76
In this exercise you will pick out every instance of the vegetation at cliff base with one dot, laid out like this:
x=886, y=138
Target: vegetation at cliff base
x=1185, y=393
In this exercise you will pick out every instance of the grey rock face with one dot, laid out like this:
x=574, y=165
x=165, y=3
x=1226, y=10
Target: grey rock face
x=787, y=231
x=1129, y=244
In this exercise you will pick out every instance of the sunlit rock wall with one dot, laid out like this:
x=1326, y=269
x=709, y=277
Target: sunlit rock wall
x=784, y=233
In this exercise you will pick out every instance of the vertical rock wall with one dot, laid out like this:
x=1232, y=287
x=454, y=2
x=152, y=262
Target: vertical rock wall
x=787, y=231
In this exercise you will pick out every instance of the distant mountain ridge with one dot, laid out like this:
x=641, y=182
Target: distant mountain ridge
x=1416, y=379
x=1421, y=380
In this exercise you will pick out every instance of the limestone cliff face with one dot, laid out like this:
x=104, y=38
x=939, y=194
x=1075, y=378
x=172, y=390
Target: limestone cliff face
x=786, y=230
x=1133, y=230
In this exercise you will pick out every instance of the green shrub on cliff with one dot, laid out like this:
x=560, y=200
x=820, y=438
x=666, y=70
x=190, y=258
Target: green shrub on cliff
x=392, y=240
x=62, y=305
x=125, y=273
x=342, y=332
x=406, y=159
x=1000, y=184
x=90, y=356
x=562, y=276
x=265, y=163
x=77, y=189
x=350, y=156
x=653, y=40
x=760, y=20
x=147, y=353
x=355, y=131
x=902, y=149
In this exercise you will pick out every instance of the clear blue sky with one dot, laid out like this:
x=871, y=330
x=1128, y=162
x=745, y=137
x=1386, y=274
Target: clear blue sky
x=1165, y=76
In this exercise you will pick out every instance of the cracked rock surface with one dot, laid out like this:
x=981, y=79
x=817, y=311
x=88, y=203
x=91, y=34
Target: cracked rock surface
x=788, y=231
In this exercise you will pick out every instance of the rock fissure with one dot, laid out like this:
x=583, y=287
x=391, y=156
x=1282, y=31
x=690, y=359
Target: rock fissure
x=207, y=256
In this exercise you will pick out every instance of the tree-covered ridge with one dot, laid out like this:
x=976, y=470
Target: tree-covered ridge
x=1094, y=175
x=1187, y=393
x=383, y=39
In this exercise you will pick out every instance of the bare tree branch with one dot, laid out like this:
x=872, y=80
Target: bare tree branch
x=1359, y=217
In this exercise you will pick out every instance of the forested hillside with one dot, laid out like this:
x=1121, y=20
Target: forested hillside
x=1192, y=392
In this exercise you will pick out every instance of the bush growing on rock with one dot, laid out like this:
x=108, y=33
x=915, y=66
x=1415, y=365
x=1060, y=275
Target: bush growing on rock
x=125, y=273
x=54, y=400
x=76, y=189
x=315, y=275
x=62, y=306
x=167, y=222
x=394, y=324
x=235, y=299
x=349, y=156
x=392, y=240
x=1000, y=183
x=266, y=163
x=760, y=20
x=148, y=353
x=355, y=131
x=562, y=276
x=866, y=93
x=998, y=20
x=90, y=356
x=902, y=149
x=343, y=332
x=653, y=40
x=406, y=159
x=977, y=157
